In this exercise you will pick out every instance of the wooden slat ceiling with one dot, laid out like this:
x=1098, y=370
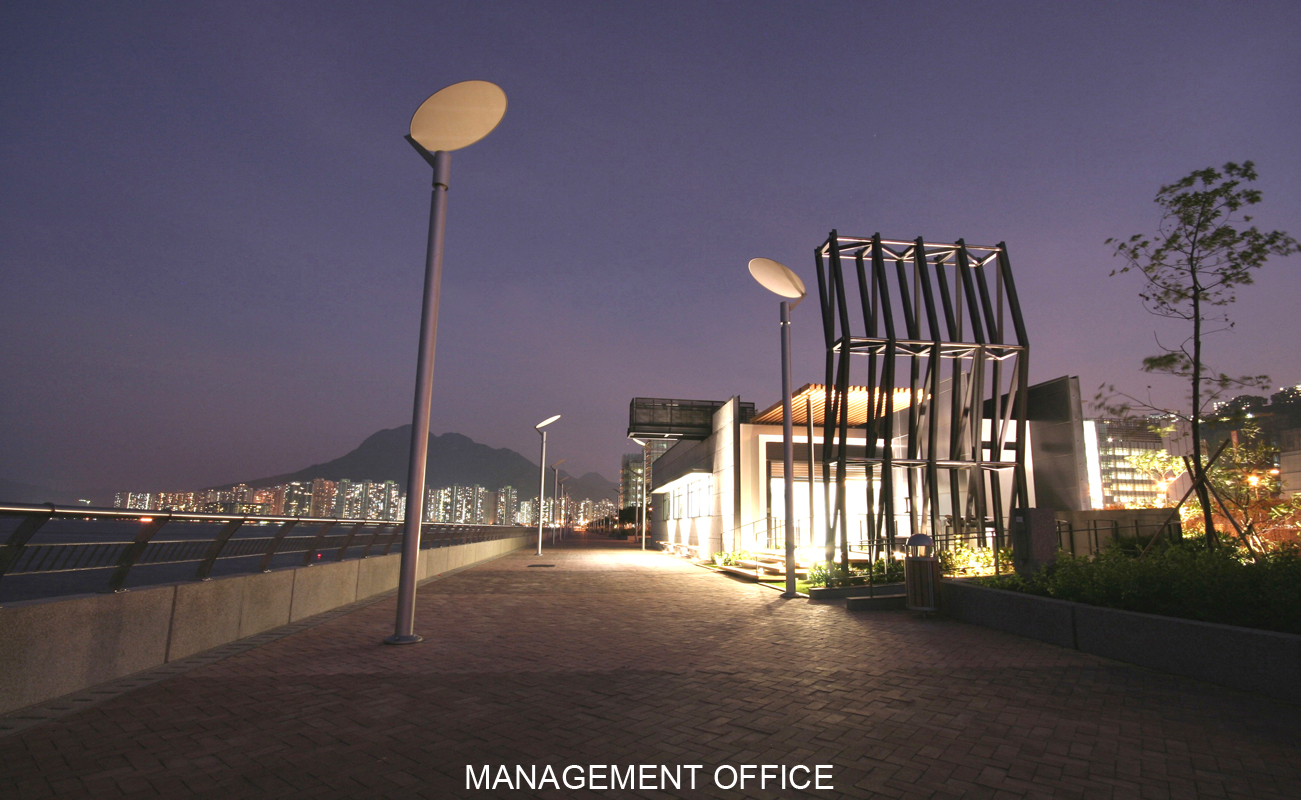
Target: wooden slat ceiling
x=817, y=393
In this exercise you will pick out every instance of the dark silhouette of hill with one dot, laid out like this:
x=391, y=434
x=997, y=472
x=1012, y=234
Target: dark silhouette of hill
x=453, y=460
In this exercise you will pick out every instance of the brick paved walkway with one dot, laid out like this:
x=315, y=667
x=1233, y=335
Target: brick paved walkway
x=615, y=656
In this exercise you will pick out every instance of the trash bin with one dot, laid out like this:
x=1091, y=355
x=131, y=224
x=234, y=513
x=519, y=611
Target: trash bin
x=921, y=574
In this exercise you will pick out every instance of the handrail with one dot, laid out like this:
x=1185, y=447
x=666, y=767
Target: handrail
x=23, y=553
x=91, y=512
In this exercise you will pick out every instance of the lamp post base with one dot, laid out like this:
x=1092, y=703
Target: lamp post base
x=406, y=638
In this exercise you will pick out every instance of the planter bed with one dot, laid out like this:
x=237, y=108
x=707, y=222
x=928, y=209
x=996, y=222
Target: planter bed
x=838, y=592
x=1241, y=658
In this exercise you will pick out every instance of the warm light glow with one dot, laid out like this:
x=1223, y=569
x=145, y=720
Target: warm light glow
x=458, y=115
x=146, y=519
x=1254, y=480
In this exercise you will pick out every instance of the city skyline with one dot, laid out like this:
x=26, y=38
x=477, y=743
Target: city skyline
x=214, y=231
x=371, y=500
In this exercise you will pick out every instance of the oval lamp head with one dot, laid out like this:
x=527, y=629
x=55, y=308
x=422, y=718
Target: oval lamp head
x=544, y=423
x=458, y=116
x=776, y=277
x=640, y=443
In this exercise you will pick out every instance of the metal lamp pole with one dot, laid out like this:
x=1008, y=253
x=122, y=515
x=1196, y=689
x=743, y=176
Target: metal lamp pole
x=562, y=501
x=645, y=506
x=542, y=473
x=555, y=497
x=448, y=120
x=778, y=279
x=788, y=449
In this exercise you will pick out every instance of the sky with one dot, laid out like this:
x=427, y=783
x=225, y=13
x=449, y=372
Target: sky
x=212, y=231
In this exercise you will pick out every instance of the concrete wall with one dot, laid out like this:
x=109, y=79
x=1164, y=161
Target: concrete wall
x=1241, y=658
x=50, y=648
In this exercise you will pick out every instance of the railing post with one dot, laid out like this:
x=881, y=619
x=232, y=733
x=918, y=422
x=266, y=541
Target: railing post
x=392, y=539
x=347, y=540
x=19, y=538
x=133, y=552
x=317, y=542
x=374, y=537
x=214, y=549
x=265, y=565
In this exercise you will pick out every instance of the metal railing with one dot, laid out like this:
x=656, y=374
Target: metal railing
x=83, y=544
x=1094, y=535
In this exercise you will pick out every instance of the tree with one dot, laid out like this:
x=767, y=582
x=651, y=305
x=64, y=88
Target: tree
x=1191, y=268
x=1157, y=466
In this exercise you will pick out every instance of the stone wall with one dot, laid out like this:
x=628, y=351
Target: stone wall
x=49, y=648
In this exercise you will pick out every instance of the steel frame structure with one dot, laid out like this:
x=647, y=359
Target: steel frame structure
x=918, y=308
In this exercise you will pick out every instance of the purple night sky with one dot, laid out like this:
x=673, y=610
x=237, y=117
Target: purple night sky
x=213, y=232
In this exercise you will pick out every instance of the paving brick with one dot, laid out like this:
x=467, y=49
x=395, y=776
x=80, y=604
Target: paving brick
x=618, y=656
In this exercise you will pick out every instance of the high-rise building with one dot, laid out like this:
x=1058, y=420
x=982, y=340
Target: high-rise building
x=526, y=514
x=144, y=501
x=297, y=500
x=379, y=500
x=272, y=499
x=174, y=501
x=1117, y=483
x=446, y=503
x=208, y=501
x=323, y=497
x=396, y=501
x=350, y=500
x=507, y=505
x=604, y=508
x=630, y=483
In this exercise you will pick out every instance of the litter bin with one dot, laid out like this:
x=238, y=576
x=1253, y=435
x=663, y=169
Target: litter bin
x=921, y=574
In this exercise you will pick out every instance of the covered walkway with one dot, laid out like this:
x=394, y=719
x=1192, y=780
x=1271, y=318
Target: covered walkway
x=614, y=656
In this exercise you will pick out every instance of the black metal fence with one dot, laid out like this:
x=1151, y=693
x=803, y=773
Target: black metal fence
x=50, y=550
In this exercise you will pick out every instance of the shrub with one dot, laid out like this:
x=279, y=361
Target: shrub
x=1178, y=581
x=881, y=573
x=964, y=560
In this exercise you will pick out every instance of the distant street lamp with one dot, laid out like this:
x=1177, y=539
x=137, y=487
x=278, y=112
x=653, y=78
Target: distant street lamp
x=645, y=506
x=451, y=118
x=780, y=280
x=555, y=497
x=562, y=499
x=542, y=473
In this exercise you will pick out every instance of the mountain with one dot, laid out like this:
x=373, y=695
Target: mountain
x=453, y=460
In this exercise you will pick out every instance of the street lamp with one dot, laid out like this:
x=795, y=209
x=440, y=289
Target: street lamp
x=781, y=281
x=555, y=497
x=644, y=505
x=562, y=502
x=451, y=118
x=542, y=473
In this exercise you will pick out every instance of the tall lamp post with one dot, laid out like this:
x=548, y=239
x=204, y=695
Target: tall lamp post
x=542, y=473
x=451, y=118
x=781, y=281
x=562, y=499
x=555, y=496
x=645, y=506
